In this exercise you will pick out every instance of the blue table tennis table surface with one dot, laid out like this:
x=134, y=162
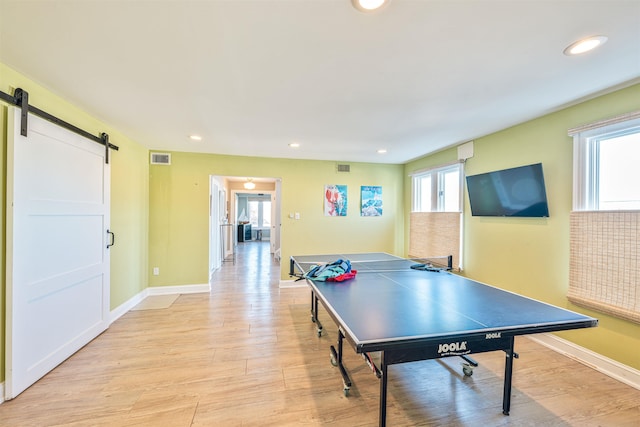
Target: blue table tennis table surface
x=395, y=308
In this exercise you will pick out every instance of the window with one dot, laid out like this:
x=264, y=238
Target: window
x=603, y=268
x=605, y=165
x=619, y=173
x=435, y=227
x=438, y=189
x=260, y=213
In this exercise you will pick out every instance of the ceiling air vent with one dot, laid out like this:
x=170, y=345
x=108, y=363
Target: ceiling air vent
x=160, y=158
x=344, y=168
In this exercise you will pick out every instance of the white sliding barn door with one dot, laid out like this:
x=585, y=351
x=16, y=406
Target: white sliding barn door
x=57, y=260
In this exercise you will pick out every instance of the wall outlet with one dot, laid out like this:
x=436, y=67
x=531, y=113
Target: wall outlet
x=156, y=271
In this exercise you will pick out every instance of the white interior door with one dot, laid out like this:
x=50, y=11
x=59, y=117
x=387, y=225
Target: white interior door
x=57, y=257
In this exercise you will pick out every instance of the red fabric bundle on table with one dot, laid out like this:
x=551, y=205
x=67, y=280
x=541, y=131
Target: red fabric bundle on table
x=341, y=278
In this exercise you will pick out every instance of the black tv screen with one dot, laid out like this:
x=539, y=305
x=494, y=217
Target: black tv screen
x=518, y=192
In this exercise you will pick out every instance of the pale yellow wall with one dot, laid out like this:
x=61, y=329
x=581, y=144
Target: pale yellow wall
x=129, y=220
x=179, y=196
x=531, y=256
x=129, y=194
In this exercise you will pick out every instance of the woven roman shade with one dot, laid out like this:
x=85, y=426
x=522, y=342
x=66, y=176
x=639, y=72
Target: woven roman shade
x=604, y=272
x=435, y=234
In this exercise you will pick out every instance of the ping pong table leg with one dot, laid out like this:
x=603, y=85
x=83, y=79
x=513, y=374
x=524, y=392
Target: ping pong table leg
x=314, y=313
x=382, y=418
x=336, y=360
x=508, y=371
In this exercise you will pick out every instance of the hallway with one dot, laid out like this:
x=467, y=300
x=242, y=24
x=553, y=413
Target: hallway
x=254, y=269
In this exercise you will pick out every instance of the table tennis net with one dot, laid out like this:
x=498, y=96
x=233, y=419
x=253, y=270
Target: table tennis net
x=438, y=263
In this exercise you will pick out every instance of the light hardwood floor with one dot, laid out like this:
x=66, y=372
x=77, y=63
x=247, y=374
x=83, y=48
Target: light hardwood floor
x=247, y=355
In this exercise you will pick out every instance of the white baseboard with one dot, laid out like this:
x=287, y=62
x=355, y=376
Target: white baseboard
x=616, y=370
x=156, y=290
x=1, y=393
x=123, y=308
x=292, y=284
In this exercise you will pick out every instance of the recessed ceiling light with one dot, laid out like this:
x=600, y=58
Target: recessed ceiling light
x=195, y=137
x=294, y=145
x=382, y=151
x=368, y=5
x=585, y=45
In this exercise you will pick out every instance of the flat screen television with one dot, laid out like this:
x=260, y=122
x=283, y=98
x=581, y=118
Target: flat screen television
x=518, y=192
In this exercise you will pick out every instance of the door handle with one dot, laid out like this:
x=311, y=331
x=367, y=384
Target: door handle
x=113, y=239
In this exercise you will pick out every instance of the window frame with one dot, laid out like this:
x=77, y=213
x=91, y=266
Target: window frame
x=586, y=154
x=437, y=175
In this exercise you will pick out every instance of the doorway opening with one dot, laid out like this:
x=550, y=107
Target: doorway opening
x=241, y=216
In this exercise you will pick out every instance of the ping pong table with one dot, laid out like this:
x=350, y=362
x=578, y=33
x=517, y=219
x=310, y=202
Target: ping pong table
x=408, y=314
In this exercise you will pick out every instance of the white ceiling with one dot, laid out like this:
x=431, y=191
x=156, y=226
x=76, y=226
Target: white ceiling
x=253, y=76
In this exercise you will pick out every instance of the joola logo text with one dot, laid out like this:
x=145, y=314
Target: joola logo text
x=453, y=348
x=494, y=335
